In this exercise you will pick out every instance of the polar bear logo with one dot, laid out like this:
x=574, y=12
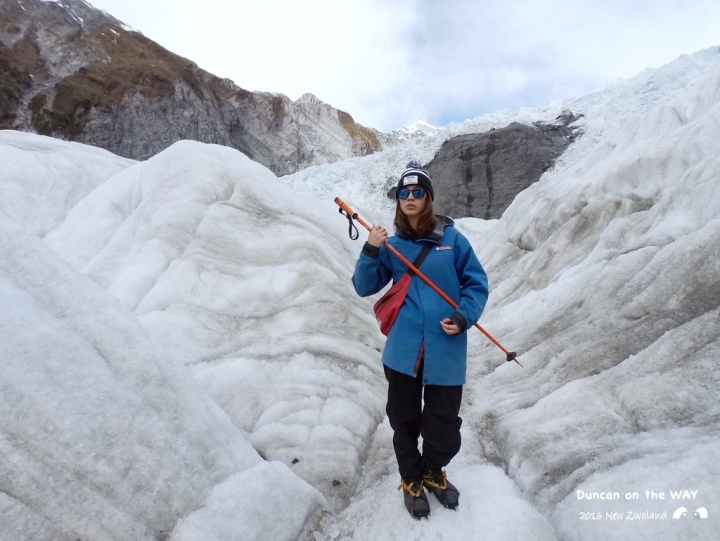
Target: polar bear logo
x=701, y=512
x=682, y=512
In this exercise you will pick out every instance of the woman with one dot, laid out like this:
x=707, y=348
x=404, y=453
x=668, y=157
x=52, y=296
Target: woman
x=426, y=348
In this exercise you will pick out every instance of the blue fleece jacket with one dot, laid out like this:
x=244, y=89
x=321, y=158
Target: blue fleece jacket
x=454, y=268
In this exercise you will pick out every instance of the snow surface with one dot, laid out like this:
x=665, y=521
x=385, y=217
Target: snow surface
x=419, y=128
x=103, y=435
x=613, y=300
x=43, y=178
x=241, y=277
x=233, y=508
x=202, y=317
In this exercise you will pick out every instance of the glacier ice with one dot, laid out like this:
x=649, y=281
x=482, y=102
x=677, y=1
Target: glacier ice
x=184, y=315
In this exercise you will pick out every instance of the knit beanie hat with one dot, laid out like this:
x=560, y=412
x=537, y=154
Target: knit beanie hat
x=415, y=174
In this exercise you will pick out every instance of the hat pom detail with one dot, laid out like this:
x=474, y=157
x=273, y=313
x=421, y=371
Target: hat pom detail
x=415, y=174
x=413, y=164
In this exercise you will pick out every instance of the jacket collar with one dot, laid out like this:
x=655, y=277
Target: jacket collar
x=436, y=235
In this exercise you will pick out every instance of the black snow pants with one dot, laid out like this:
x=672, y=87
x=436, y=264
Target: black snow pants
x=437, y=421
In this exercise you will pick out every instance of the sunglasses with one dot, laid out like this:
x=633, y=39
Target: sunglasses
x=404, y=193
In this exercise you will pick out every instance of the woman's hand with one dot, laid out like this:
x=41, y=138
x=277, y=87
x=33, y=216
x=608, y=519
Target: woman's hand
x=377, y=236
x=449, y=326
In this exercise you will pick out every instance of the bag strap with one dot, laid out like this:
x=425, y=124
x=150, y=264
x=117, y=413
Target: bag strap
x=421, y=257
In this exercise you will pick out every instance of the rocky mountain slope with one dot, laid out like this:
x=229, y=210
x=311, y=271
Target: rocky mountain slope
x=74, y=72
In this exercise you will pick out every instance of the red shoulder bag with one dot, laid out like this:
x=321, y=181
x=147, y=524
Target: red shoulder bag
x=388, y=306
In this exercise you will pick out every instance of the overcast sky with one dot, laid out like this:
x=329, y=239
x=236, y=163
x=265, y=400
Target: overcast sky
x=390, y=62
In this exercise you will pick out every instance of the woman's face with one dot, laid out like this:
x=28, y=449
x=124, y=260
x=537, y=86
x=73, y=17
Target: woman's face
x=411, y=206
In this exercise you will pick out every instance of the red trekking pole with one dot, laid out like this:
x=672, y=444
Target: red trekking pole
x=350, y=215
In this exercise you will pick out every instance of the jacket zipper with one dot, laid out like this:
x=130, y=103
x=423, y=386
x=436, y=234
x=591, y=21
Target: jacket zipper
x=419, y=359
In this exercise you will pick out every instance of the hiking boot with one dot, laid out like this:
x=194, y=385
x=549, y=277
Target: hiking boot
x=416, y=501
x=445, y=492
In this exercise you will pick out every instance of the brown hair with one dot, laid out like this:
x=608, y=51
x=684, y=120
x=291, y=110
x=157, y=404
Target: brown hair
x=426, y=221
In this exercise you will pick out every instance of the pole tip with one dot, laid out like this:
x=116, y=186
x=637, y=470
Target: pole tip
x=512, y=356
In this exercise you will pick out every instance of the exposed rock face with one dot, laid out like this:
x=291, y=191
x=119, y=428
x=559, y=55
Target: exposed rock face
x=479, y=175
x=74, y=72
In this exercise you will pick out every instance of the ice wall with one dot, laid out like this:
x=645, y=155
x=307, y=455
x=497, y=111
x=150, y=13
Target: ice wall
x=606, y=278
x=102, y=434
x=44, y=178
x=247, y=280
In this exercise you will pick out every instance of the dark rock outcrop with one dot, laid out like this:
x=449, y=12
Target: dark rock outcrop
x=74, y=72
x=479, y=175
